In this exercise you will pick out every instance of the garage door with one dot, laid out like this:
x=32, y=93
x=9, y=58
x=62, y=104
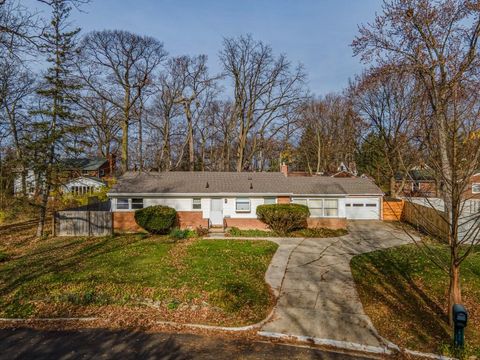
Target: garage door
x=362, y=208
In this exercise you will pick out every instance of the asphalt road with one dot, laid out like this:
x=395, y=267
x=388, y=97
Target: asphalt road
x=25, y=343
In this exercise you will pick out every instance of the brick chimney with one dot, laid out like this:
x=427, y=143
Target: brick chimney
x=284, y=169
x=112, y=159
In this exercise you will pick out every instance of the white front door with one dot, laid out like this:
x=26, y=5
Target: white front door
x=362, y=208
x=216, y=211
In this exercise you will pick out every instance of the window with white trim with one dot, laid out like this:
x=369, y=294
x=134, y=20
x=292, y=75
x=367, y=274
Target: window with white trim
x=197, y=204
x=123, y=204
x=319, y=207
x=129, y=204
x=270, y=200
x=475, y=188
x=137, y=203
x=316, y=207
x=242, y=205
x=330, y=207
x=300, y=201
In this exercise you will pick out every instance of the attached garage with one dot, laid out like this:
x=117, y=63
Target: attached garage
x=363, y=208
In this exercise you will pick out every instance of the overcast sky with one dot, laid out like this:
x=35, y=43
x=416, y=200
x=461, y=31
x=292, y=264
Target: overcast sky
x=316, y=33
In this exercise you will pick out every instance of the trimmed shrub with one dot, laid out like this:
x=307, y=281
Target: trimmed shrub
x=157, y=219
x=283, y=218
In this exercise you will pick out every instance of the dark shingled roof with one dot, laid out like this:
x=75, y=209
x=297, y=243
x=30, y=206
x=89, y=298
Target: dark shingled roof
x=82, y=163
x=179, y=182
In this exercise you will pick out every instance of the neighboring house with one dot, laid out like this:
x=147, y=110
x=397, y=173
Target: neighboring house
x=230, y=199
x=418, y=182
x=473, y=190
x=93, y=167
x=422, y=183
x=344, y=171
x=78, y=174
x=83, y=185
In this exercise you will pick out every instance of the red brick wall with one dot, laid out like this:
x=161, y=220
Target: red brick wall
x=191, y=219
x=246, y=224
x=331, y=223
x=283, y=200
x=124, y=221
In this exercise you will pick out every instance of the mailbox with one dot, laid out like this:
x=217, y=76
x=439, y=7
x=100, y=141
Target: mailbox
x=460, y=316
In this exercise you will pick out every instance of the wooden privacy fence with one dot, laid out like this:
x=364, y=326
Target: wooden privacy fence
x=392, y=210
x=431, y=220
x=83, y=222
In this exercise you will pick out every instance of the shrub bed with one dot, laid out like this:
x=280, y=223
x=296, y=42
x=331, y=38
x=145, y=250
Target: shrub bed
x=284, y=218
x=157, y=219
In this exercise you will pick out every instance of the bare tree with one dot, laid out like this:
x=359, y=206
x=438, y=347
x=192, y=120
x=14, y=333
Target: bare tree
x=196, y=91
x=101, y=121
x=120, y=62
x=330, y=129
x=265, y=90
x=16, y=85
x=19, y=28
x=388, y=101
x=437, y=41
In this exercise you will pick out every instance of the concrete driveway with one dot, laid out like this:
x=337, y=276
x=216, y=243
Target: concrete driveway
x=317, y=294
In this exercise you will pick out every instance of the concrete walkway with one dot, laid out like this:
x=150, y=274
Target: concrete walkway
x=317, y=294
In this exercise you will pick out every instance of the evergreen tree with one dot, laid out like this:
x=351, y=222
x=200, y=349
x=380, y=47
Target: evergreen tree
x=55, y=114
x=371, y=159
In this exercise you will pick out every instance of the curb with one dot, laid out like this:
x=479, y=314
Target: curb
x=221, y=328
x=396, y=348
x=48, y=319
x=344, y=345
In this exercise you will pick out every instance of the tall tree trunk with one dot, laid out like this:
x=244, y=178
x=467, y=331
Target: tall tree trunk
x=191, y=150
x=241, y=150
x=48, y=175
x=455, y=294
x=124, y=161
x=319, y=152
x=140, y=143
x=393, y=190
x=190, y=139
x=125, y=126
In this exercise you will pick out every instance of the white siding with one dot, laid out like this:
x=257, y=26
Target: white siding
x=185, y=204
x=229, y=208
x=179, y=204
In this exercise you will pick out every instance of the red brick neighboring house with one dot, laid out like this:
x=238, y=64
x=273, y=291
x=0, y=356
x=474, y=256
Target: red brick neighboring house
x=230, y=199
x=419, y=182
x=473, y=190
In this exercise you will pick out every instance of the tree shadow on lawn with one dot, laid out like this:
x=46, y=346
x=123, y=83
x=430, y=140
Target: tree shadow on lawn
x=60, y=257
x=401, y=310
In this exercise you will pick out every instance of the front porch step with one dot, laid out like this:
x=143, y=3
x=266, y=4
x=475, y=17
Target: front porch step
x=216, y=230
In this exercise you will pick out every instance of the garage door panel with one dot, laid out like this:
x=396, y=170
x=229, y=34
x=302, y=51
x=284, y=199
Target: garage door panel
x=362, y=208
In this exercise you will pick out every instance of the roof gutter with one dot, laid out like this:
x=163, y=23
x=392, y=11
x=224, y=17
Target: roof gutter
x=236, y=194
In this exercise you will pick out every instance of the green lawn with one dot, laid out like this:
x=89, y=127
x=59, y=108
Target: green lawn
x=404, y=293
x=209, y=281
